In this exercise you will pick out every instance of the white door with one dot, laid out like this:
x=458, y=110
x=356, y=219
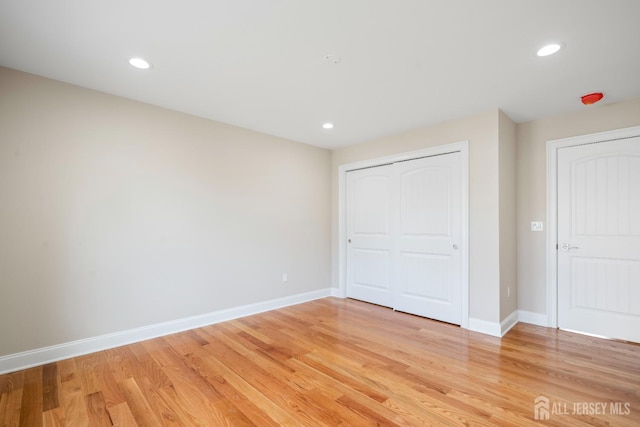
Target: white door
x=369, y=252
x=428, y=274
x=404, y=229
x=599, y=238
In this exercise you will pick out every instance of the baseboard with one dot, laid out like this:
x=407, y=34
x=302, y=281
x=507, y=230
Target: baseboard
x=485, y=327
x=539, y=319
x=41, y=356
x=494, y=328
x=508, y=322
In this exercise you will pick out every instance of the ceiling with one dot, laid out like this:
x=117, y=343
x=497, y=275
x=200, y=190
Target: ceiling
x=260, y=64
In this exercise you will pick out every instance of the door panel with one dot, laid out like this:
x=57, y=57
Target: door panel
x=426, y=276
x=428, y=280
x=605, y=285
x=369, y=255
x=424, y=198
x=371, y=268
x=599, y=238
x=370, y=203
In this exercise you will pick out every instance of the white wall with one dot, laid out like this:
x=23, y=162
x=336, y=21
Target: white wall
x=116, y=214
x=531, y=182
x=482, y=133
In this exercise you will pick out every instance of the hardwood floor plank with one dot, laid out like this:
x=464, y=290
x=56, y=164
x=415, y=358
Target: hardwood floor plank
x=183, y=343
x=50, y=381
x=284, y=393
x=11, y=381
x=278, y=414
x=10, y=403
x=54, y=418
x=334, y=362
x=73, y=402
x=121, y=361
x=231, y=415
x=241, y=401
x=31, y=406
x=191, y=409
x=169, y=412
x=188, y=394
x=107, y=384
x=66, y=368
x=138, y=404
x=121, y=415
x=368, y=415
x=263, y=359
x=97, y=410
x=178, y=371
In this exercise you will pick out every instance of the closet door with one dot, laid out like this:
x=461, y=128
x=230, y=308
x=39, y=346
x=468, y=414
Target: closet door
x=369, y=217
x=427, y=260
x=404, y=230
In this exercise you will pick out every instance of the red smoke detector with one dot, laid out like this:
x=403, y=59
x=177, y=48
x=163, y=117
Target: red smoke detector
x=592, y=98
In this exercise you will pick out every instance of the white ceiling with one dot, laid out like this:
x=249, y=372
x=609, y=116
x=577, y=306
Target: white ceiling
x=404, y=64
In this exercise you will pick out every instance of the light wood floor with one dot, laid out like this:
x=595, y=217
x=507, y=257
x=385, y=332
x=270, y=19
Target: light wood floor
x=333, y=362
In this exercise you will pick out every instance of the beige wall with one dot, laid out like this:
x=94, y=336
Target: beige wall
x=116, y=214
x=482, y=133
x=507, y=181
x=531, y=179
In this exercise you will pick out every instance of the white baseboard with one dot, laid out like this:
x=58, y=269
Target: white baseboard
x=41, y=356
x=539, y=319
x=508, y=322
x=485, y=327
x=494, y=328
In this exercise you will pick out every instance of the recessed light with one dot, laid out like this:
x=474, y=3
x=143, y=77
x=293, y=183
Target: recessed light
x=328, y=125
x=139, y=63
x=549, y=49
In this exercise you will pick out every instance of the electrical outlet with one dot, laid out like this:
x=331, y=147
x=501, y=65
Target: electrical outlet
x=285, y=277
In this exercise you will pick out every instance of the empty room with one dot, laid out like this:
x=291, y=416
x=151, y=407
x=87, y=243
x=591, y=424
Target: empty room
x=319, y=213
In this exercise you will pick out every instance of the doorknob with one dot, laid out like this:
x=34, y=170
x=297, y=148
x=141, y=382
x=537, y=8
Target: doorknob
x=455, y=247
x=567, y=247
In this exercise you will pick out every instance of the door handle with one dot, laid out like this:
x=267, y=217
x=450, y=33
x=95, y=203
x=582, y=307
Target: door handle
x=567, y=247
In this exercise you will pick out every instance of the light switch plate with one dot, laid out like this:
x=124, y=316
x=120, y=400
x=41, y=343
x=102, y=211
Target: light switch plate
x=537, y=226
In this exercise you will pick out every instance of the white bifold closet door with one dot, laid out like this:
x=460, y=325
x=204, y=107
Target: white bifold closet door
x=599, y=238
x=404, y=231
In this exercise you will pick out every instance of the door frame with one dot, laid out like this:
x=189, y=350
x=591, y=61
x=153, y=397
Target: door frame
x=463, y=148
x=552, y=205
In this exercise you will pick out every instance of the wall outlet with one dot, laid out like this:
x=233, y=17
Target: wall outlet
x=285, y=277
x=537, y=226
x=508, y=291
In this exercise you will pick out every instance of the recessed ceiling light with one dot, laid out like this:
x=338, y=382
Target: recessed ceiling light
x=139, y=63
x=328, y=125
x=549, y=49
